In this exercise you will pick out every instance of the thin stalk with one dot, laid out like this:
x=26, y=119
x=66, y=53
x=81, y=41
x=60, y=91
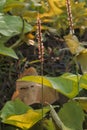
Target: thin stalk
x=41, y=53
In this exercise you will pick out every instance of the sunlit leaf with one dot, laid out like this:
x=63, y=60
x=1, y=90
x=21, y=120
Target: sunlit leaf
x=14, y=4
x=28, y=10
x=54, y=8
x=72, y=116
x=66, y=84
x=18, y=114
x=76, y=49
x=83, y=81
x=73, y=44
x=79, y=18
x=24, y=121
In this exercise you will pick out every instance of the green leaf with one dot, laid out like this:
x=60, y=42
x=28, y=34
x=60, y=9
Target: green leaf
x=82, y=101
x=27, y=120
x=66, y=84
x=12, y=25
x=48, y=124
x=72, y=116
x=20, y=115
x=4, y=29
x=83, y=81
x=2, y=2
x=15, y=5
x=73, y=44
x=75, y=48
x=15, y=24
x=13, y=108
x=82, y=60
x=7, y=51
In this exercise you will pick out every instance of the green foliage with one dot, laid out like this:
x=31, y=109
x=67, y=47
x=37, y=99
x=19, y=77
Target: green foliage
x=18, y=17
x=12, y=26
x=28, y=10
x=12, y=108
x=52, y=12
x=2, y=2
x=82, y=101
x=9, y=27
x=78, y=50
x=23, y=118
x=7, y=51
x=67, y=84
x=72, y=116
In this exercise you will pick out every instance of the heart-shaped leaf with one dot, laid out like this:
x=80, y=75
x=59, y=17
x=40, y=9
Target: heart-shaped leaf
x=72, y=116
x=20, y=115
x=66, y=84
x=7, y=51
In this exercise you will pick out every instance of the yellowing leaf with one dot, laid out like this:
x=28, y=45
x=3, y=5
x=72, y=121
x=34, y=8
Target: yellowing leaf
x=82, y=59
x=54, y=8
x=27, y=120
x=65, y=84
x=76, y=49
x=82, y=101
x=13, y=5
x=83, y=81
x=37, y=79
x=73, y=44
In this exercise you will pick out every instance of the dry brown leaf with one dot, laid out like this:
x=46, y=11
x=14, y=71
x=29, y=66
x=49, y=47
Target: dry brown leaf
x=31, y=92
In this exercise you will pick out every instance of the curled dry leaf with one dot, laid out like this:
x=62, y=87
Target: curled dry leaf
x=31, y=92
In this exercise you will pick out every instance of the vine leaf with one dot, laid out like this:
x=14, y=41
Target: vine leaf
x=7, y=51
x=12, y=108
x=72, y=116
x=73, y=44
x=23, y=118
x=75, y=48
x=54, y=9
x=65, y=84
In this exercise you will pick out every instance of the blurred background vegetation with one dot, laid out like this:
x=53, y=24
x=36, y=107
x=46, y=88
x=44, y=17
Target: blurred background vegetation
x=18, y=38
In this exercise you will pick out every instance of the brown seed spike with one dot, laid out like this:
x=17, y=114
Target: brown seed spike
x=70, y=16
x=39, y=37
